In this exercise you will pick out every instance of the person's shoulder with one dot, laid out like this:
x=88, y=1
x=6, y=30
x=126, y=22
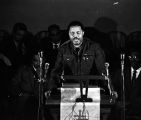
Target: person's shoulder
x=64, y=46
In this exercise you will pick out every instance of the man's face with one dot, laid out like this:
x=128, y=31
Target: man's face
x=76, y=35
x=135, y=60
x=19, y=35
x=55, y=36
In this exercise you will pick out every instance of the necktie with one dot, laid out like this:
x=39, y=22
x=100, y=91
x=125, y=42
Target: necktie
x=77, y=51
x=134, y=77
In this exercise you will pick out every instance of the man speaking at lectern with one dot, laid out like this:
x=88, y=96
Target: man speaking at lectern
x=78, y=56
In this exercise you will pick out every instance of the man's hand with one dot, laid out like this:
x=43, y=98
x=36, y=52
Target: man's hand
x=115, y=94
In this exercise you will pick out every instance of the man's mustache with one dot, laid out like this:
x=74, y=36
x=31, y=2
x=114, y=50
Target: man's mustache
x=75, y=38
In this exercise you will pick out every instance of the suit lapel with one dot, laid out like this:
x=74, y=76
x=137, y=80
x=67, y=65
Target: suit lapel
x=138, y=80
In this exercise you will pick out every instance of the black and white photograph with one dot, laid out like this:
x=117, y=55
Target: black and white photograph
x=70, y=60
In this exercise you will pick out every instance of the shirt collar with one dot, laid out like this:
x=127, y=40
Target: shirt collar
x=58, y=44
x=137, y=71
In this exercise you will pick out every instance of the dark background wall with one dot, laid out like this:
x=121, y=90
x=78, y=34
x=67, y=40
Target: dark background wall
x=103, y=14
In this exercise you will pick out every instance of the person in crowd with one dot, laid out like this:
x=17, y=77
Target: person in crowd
x=5, y=64
x=25, y=90
x=41, y=40
x=4, y=39
x=54, y=38
x=49, y=41
x=16, y=48
x=41, y=43
x=127, y=83
x=54, y=35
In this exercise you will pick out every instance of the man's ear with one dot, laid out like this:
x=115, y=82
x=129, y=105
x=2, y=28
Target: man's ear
x=83, y=32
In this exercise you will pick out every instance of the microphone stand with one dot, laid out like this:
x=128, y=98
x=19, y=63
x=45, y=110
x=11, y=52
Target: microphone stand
x=41, y=89
x=108, y=76
x=113, y=94
x=84, y=97
x=123, y=86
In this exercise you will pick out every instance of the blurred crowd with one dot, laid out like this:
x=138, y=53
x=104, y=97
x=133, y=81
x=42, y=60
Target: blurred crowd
x=19, y=61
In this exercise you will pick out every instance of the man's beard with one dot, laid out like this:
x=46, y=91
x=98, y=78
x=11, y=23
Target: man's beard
x=77, y=42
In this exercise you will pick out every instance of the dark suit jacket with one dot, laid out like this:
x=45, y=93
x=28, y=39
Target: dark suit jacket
x=132, y=91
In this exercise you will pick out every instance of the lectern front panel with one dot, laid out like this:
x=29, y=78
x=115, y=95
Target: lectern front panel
x=72, y=110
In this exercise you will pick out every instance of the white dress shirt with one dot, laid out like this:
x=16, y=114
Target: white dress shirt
x=137, y=72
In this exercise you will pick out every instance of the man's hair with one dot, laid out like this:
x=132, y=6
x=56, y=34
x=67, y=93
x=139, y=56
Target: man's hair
x=19, y=26
x=75, y=23
x=134, y=47
x=53, y=27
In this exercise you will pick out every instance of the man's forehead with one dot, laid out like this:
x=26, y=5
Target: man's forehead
x=135, y=53
x=21, y=32
x=75, y=28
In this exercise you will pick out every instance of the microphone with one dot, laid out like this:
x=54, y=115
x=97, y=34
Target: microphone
x=107, y=70
x=46, y=70
x=46, y=66
x=40, y=54
x=122, y=56
x=108, y=78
